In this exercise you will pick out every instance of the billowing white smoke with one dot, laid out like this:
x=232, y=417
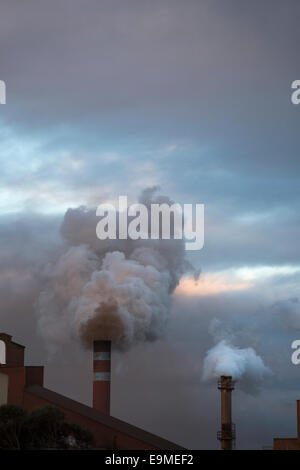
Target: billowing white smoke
x=240, y=364
x=112, y=289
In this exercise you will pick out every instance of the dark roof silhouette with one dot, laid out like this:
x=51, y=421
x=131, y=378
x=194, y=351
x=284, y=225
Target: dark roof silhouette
x=95, y=415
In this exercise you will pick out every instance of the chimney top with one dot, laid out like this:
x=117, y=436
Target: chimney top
x=226, y=383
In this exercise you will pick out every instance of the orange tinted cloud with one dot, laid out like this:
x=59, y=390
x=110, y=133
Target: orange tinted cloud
x=210, y=284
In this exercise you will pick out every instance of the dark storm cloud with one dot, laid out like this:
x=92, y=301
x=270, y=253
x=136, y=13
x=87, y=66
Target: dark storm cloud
x=129, y=77
x=125, y=61
x=108, y=97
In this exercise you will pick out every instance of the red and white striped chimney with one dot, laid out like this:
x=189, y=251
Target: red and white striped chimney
x=101, y=388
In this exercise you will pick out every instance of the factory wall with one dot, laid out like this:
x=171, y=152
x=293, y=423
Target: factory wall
x=290, y=443
x=23, y=385
x=3, y=389
x=106, y=437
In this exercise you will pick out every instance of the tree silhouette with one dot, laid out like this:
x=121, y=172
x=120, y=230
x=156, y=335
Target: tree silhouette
x=41, y=429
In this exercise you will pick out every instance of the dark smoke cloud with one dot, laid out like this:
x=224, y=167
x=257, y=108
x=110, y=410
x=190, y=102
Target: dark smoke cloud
x=112, y=289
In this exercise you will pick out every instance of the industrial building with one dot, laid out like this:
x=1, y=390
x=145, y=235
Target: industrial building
x=24, y=385
x=290, y=443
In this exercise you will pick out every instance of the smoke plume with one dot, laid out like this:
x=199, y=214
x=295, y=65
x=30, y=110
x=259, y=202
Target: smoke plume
x=112, y=289
x=240, y=364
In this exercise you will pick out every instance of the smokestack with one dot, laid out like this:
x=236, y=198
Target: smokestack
x=227, y=433
x=101, y=388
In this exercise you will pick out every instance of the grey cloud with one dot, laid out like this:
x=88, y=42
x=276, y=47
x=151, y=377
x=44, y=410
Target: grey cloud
x=211, y=80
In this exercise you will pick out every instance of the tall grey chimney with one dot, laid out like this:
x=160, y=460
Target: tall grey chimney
x=227, y=434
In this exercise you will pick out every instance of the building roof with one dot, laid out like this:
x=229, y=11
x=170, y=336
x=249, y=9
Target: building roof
x=95, y=415
x=7, y=337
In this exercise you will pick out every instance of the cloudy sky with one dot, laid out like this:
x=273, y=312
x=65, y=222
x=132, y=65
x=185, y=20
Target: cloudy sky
x=107, y=98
